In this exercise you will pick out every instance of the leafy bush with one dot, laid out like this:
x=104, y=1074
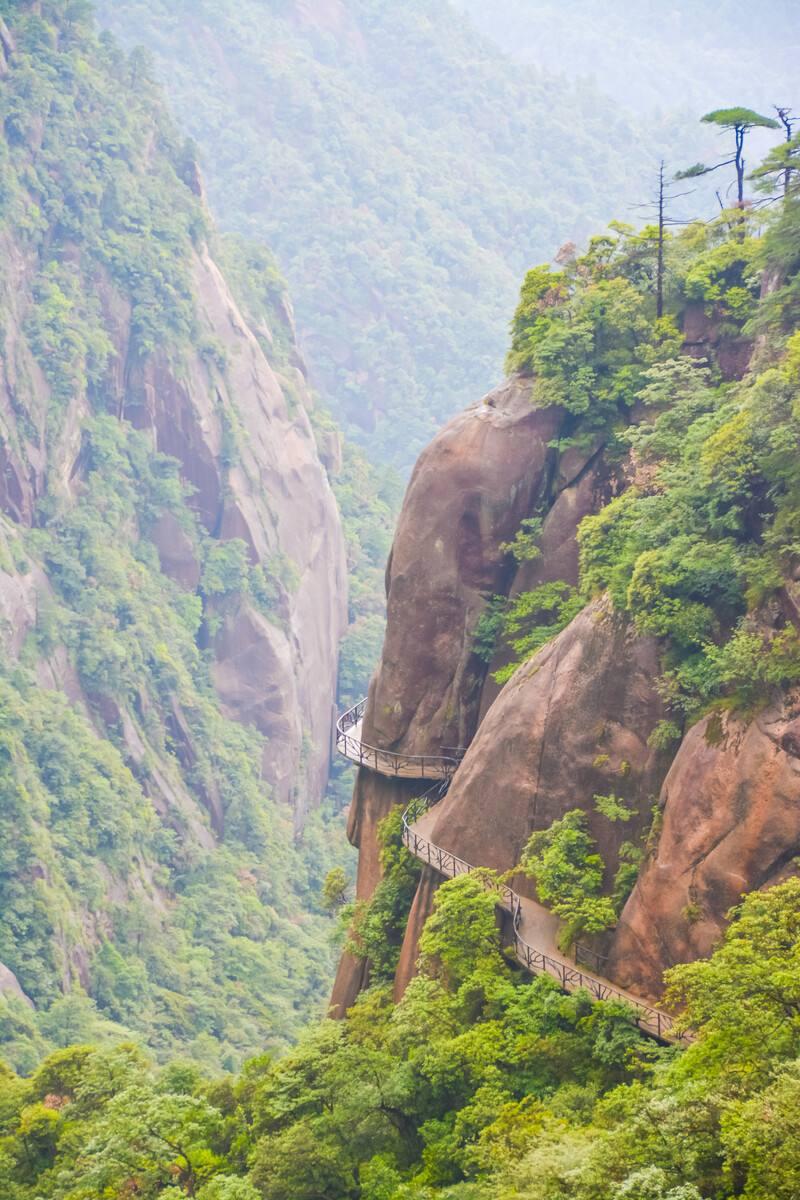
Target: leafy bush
x=568, y=873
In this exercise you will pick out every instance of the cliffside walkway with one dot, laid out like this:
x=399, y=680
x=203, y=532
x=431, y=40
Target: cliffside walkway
x=535, y=927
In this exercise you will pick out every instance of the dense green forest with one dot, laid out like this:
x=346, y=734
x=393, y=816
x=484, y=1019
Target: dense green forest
x=124, y=912
x=405, y=174
x=698, y=548
x=479, y=1084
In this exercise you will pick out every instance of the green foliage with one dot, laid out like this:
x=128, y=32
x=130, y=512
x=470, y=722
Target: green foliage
x=226, y=568
x=760, y=1139
x=568, y=873
x=206, y=940
x=739, y=118
x=334, y=889
x=724, y=277
x=702, y=539
x=747, y=996
x=664, y=735
x=119, y=210
x=150, y=885
x=584, y=336
x=533, y=618
x=613, y=808
x=375, y=929
x=461, y=937
x=71, y=344
x=525, y=546
x=478, y=1084
x=489, y=628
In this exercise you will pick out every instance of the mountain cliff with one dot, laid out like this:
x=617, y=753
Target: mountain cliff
x=172, y=576
x=591, y=589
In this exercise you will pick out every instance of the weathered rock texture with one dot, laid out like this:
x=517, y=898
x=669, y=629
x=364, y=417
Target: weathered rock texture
x=488, y=469
x=373, y=798
x=571, y=723
x=704, y=336
x=10, y=986
x=491, y=468
x=581, y=485
x=278, y=674
x=731, y=824
x=421, y=909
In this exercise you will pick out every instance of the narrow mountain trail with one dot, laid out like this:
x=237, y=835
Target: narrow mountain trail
x=535, y=927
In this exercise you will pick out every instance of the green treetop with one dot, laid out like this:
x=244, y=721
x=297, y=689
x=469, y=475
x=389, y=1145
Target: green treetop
x=740, y=121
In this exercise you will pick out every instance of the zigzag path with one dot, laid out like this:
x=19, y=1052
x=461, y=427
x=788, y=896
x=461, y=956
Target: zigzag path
x=535, y=927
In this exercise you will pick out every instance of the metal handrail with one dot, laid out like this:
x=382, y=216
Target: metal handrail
x=389, y=762
x=650, y=1020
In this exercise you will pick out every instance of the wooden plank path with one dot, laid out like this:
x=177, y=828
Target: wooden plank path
x=535, y=927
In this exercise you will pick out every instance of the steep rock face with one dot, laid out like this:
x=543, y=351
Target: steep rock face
x=9, y=986
x=487, y=470
x=19, y=595
x=374, y=797
x=277, y=675
x=471, y=488
x=574, y=721
x=272, y=492
x=421, y=909
x=571, y=723
x=731, y=824
x=583, y=483
x=171, y=563
x=704, y=338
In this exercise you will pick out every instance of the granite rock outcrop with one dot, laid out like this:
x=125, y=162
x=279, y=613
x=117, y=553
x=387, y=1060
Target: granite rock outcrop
x=731, y=823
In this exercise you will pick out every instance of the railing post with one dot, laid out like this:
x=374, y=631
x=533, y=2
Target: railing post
x=442, y=768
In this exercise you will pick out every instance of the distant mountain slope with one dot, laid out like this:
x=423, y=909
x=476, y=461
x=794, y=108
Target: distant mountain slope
x=649, y=54
x=405, y=173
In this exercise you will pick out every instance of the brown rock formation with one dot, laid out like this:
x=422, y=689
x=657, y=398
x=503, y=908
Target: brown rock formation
x=421, y=909
x=487, y=470
x=731, y=824
x=570, y=724
x=176, y=551
x=582, y=485
x=574, y=721
x=471, y=488
x=702, y=338
x=279, y=675
x=373, y=798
